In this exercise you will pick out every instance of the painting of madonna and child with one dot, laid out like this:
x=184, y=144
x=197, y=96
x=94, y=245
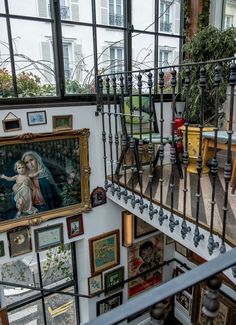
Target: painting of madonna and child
x=39, y=176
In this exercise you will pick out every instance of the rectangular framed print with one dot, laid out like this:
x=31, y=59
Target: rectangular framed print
x=48, y=237
x=142, y=228
x=109, y=303
x=104, y=251
x=75, y=226
x=113, y=280
x=19, y=241
x=95, y=284
x=62, y=122
x=36, y=118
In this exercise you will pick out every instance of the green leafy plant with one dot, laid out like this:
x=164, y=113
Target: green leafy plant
x=209, y=44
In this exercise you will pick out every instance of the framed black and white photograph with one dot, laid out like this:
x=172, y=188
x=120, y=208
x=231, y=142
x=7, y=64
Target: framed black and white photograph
x=36, y=118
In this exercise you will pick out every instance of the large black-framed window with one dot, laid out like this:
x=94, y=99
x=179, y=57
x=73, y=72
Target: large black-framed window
x=52, y=50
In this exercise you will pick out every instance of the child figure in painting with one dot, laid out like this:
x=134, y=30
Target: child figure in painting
x=22, y=189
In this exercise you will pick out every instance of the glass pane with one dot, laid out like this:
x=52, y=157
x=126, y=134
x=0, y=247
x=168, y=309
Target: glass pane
x=168, y=51
x=76, y=10
x=143, y=51
x=22, y=271
x=60, y=309
x=6, y=87
x=29, y=314
x=78, y=59
x=56, y=265
x=169, y=17
x=110, y=51
x=34, y=59
x=110, y=12
x=143, y=13
x=2, y=7
x=229, y=14
x=39, y=8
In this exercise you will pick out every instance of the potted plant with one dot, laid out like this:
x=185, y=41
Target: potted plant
x=208, y=44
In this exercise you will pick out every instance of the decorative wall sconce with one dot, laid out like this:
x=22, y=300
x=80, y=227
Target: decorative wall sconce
x=127, y=228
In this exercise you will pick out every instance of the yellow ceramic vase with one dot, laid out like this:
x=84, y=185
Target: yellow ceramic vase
x=193, y=147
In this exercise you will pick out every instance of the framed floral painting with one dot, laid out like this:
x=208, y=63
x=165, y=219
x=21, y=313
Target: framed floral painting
x=43, y=176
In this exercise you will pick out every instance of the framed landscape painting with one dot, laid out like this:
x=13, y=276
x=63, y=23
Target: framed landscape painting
x=104, y=251
x=143, y=256
x=43, y=176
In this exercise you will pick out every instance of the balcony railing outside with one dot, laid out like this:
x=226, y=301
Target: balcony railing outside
x=115, y=20
x=165, y=27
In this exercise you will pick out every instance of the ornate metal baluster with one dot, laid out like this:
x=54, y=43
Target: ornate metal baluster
x=152, y=211
x=114, y=86
x=211, y=299
x=228, y=164
x=110, y=137
x=162, y=216
x=214, y=165
x=132, y=141
x=184, y=228
x=142, y=206
x=172, y=221
x=197, y=236
x=100, y=90
x=157, y=314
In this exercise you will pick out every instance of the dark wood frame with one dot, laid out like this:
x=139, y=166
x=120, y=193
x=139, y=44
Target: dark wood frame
x=4, y=316
x=138, y=235
x=110, y=288
x=2, y=249
x=69, y=221
x=40, y=247
x=89, y=285
x=107, y=299
x=92, y=243
x=34, y=112
x=57, y=117
x=95, y=202
x=13, y=235
x=4, y=124
x=182, y=250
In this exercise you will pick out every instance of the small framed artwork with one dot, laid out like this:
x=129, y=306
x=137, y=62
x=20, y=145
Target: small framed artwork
x=168, y=240
x=114, y=279
x=3, y=317
x=142, y=228
x=36, y=118
x=95, y=285
x=13, y=124
x=104, y=251
x=184, y=301
x=2, y=251
x=48, y=237
x=62, y=122
x=98, y=197
x=182, y=250
x=19, y=241
x=109, y=303
x=178, y=271
x=75, y=226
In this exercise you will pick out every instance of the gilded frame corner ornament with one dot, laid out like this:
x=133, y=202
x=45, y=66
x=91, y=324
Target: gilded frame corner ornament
x=66, y=152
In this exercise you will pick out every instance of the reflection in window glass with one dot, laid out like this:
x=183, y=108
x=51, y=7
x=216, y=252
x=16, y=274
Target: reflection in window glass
x=22, y=271
x=110, y=51
x=34, y=59
x=78, y=59
x=110, y=12
x=56, y=265
x=229, y=14
x=143, y=51
x=143, y=13
x=6, y=88
x=39, y=8
x=29, y=314
x=76, y=10
x=60, y=309
x=169, y=17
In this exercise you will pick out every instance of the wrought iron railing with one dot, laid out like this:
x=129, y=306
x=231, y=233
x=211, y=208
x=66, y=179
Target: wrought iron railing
x=115, y=95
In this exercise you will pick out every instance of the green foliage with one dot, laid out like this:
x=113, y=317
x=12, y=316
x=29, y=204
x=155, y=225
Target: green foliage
x=209, y=44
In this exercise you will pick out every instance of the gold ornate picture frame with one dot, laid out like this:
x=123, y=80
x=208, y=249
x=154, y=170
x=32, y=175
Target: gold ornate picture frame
x=54, y=181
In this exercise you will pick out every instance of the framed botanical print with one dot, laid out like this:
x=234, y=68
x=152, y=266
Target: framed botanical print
x=3, y=317
x=142, y=228
x=95, y=284
x=113, y=280
x=75, y=226
x=19, y=241
x=109, y=303
x=143, y=256
x=48, y=237
x=55, y=170
x=104, y=251
x=62, y=122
